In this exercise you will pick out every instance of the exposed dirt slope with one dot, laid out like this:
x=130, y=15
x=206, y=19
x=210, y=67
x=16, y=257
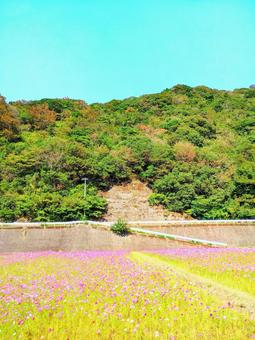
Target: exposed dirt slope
x=130, y=202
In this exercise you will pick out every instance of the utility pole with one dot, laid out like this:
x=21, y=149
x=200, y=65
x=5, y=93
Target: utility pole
x=85, y=186
x=84, y=192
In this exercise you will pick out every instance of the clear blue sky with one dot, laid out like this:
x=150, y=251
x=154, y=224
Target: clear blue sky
x=98, y=50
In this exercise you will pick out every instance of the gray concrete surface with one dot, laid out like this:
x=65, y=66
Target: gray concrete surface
x=72, y=236
x=242, y=235
x=75, y=238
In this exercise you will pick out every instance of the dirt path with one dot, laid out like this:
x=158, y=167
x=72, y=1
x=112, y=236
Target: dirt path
x=240, y=300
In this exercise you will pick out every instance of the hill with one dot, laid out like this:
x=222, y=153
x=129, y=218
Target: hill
x=194, y=147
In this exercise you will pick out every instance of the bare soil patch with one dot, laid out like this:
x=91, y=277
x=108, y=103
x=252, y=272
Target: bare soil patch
x=130, y=202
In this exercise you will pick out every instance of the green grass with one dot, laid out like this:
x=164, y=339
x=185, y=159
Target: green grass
x=234, y=268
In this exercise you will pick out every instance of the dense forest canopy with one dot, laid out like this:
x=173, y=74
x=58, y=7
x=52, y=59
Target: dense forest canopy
x=193, y=146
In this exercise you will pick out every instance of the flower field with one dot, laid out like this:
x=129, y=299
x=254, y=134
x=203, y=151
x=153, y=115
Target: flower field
x=118, y=295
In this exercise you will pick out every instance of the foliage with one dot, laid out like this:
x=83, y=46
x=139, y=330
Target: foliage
x=52, y=206
x=184, y=151
x=120, y=228
x=193, y=146
x=8, y=121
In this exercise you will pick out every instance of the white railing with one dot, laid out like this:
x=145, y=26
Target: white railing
x=105, y=223
x=192, y=222
x=179, y=238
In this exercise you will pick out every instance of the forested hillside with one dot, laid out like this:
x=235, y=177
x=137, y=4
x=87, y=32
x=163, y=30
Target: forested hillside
x=193, y=146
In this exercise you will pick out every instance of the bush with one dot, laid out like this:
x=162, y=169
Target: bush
x=120, y=228
x=185, y=151
x=157, y=199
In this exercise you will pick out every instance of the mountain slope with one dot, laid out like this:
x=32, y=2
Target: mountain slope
x=194, y=147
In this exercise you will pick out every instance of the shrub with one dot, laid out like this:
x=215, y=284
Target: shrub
x=120, y=228
x=157, y=199
x=185, y=151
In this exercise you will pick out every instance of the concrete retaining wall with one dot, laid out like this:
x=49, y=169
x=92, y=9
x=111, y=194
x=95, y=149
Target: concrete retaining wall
x=19, y=238
x=232, y=234
x=75, y=238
